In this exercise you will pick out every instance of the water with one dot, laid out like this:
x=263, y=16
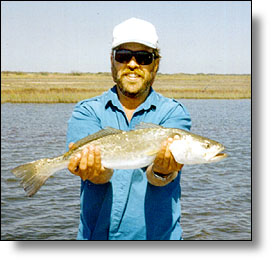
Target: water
x=216, y=198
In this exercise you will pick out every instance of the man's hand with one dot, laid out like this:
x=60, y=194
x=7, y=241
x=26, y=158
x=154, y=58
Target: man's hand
x=164, y=164
x=87, y=165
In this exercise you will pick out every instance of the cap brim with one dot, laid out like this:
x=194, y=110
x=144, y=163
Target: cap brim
x=150, y=45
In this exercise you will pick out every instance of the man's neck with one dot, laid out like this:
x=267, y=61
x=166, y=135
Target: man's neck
x=131, y=104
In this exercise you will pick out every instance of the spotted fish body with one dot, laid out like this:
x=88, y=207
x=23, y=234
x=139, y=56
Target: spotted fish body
x=124, y=150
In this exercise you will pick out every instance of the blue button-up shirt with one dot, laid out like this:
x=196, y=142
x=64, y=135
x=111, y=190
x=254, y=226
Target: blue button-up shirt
x=128, y=207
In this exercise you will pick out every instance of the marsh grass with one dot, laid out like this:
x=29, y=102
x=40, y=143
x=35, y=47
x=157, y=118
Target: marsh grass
x=45, y=87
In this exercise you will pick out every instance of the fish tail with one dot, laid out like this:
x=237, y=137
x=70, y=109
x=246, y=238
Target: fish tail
x=34, y=174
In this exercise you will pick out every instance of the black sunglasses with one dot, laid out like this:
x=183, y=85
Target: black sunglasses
x=142, y=57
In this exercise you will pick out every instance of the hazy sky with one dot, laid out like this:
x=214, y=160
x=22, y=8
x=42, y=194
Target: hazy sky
x=194, y=36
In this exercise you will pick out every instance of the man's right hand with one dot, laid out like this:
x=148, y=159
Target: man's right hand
x=87, y=165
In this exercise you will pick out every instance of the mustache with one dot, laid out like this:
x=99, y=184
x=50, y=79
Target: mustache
x=137, y=72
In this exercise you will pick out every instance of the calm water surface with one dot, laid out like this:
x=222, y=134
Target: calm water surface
x=216, y=198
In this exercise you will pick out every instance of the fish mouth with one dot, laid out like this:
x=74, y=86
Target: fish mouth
x=219, y=156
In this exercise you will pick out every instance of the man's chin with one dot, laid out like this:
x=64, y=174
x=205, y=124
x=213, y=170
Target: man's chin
x=132, y=91
x=129, y=93
x=128, y=88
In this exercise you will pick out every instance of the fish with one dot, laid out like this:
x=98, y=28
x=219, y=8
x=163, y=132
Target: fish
x=125, y=150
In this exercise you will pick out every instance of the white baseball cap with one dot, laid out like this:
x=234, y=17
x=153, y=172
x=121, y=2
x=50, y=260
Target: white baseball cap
x=135, y=30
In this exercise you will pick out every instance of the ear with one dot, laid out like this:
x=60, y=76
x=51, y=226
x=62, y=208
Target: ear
x=156, y=66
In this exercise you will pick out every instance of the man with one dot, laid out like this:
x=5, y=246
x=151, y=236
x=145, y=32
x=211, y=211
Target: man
x=141, y=204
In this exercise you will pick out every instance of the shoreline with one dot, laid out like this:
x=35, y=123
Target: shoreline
x=45, y=87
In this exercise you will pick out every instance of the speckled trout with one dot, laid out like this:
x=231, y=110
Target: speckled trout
x=125, y=150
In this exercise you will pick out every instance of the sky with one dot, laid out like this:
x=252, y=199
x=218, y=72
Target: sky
x=261, y=249
x=76, y=36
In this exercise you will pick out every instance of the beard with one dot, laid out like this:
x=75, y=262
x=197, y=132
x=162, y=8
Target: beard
x=133, y=93
x=132, y=89
x=127, y=93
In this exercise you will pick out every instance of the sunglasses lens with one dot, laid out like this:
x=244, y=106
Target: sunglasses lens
x=142, y=57
x=123, y=56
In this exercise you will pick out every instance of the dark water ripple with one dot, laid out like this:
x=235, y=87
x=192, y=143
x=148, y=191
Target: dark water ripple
x=216, y=198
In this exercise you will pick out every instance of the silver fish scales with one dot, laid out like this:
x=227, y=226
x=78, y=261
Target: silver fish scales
x=125, y=150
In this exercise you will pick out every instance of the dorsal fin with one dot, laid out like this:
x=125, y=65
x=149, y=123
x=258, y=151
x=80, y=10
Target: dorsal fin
x=100, y=134
x=143, y=125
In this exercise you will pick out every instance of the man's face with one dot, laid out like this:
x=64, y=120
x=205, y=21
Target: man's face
x=133, y=79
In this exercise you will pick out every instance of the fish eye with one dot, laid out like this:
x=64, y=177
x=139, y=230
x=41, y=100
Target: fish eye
x=207, y=145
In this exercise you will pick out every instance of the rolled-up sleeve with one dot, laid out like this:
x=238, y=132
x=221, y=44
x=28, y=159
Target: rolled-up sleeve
x=177, y=117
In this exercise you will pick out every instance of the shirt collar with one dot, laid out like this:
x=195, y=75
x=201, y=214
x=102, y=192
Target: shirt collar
x=112, y=98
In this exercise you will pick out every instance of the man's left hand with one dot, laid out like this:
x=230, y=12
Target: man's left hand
x=164, y=164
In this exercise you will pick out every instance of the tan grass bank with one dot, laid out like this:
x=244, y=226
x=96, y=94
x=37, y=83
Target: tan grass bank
x=44, y=87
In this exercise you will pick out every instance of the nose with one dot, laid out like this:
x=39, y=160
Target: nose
x=132, y=64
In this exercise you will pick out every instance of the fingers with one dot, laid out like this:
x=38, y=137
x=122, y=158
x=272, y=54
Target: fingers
x=164, y=154
x=162, y=158
x=165, y=162
x=86, y=164
x=84, y=160
x=97, y=162
x=177, y=165
x=90, y=161
x=173, y=165
x=80, y=162
x=74, y=163
x=168, y=157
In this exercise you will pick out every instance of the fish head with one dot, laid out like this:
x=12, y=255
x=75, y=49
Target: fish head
x=192, y=149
